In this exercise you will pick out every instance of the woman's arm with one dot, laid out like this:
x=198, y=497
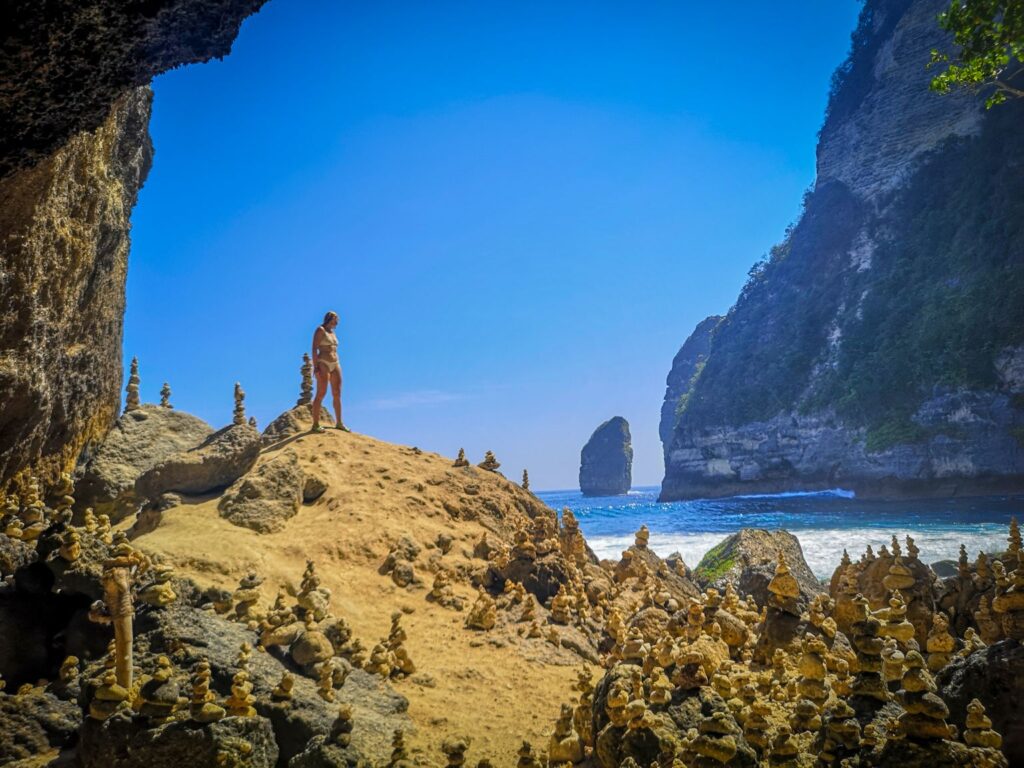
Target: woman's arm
x=316, y=345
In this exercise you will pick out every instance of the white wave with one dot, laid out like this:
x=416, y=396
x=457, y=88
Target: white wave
x=823, y=548
x=838, y=493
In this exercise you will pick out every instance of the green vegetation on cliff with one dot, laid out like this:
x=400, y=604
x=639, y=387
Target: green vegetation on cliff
x=945, y=292
x=936, y=295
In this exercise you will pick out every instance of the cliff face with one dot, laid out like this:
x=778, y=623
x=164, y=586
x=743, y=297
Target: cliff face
x=65, y=255
x=74, y=151
x=880, y=346
x=687, y=363
x=606, y=461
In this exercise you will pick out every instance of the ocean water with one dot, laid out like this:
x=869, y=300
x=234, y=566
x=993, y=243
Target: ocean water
x=824, y=523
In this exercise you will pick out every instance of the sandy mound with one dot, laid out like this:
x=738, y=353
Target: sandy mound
x=496, y=687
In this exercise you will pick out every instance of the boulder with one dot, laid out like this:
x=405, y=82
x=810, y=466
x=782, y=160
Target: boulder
x=313, y=487
x=670, y=571
x=139, y=440
x=14, y=554
x=215, y=463
x=34, y=723
x=748, y=558
x=266, y=497
x=323, y=753
x=606, y=461
x=118, y=742
x=293, y=422
x=994, y=676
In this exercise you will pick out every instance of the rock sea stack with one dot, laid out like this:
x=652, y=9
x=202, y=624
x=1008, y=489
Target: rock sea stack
x=606, y=461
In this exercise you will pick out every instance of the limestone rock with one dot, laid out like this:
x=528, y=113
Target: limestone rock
x=74, y=152
x=606, y=461
x=139, y=440
x=215, y=463
x=63, y=240
x=748, y=559
x=14, y=554
x=294, y=421
x=267, y=497
x=770, y=410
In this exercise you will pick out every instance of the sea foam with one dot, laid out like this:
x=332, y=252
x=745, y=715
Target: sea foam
x=822, y=548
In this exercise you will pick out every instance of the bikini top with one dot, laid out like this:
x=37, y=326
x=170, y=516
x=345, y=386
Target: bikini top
x=328, y=342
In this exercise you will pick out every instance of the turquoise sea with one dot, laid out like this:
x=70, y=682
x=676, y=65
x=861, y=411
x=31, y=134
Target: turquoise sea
x=824, y=522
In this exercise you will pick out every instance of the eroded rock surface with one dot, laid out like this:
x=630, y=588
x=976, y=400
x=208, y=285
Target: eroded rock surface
x=215, y=463
x=140, y=439
x=266, y=497
x=74, y=151
x=64, y=246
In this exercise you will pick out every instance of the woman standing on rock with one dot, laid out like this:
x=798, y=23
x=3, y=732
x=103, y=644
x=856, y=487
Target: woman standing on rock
x=327, y=367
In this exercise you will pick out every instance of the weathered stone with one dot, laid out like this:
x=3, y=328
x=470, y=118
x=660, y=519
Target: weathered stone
x=748, y=559
x=33, y=723
x=265, y=498
x=64, y=247
x=295, y=421
x=215, y=463
x=139, y=440
x=74, y=151
x=994, y=676
x=118, y=742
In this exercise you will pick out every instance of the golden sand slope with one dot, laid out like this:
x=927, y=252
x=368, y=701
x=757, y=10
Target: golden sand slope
x=493, y=686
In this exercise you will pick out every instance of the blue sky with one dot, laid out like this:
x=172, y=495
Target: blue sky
x=520, y=210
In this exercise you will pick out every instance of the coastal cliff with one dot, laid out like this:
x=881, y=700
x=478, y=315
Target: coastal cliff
x=880, y=346
x=74, y=152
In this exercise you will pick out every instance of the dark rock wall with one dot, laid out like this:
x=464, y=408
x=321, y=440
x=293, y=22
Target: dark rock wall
x=74, y=151
x=64, y=62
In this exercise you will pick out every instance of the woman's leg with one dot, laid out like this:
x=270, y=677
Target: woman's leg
x=321, y=390
x=336, y=393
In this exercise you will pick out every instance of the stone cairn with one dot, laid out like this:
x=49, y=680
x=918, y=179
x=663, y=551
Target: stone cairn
x=442, y=593
x=489, y=463
x=1009, y=601
x=165, y=396
x=306, y=388
x=239, y=416
x=784, y=589
x=979, y=735
x=526, y=480
x=565, y=744
x=940, y=644
x=454, y=749
x=461, y=460
x=132, y=400
x=483, y=614
x=202, y=701
x=868, y=685
x=924, y=716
